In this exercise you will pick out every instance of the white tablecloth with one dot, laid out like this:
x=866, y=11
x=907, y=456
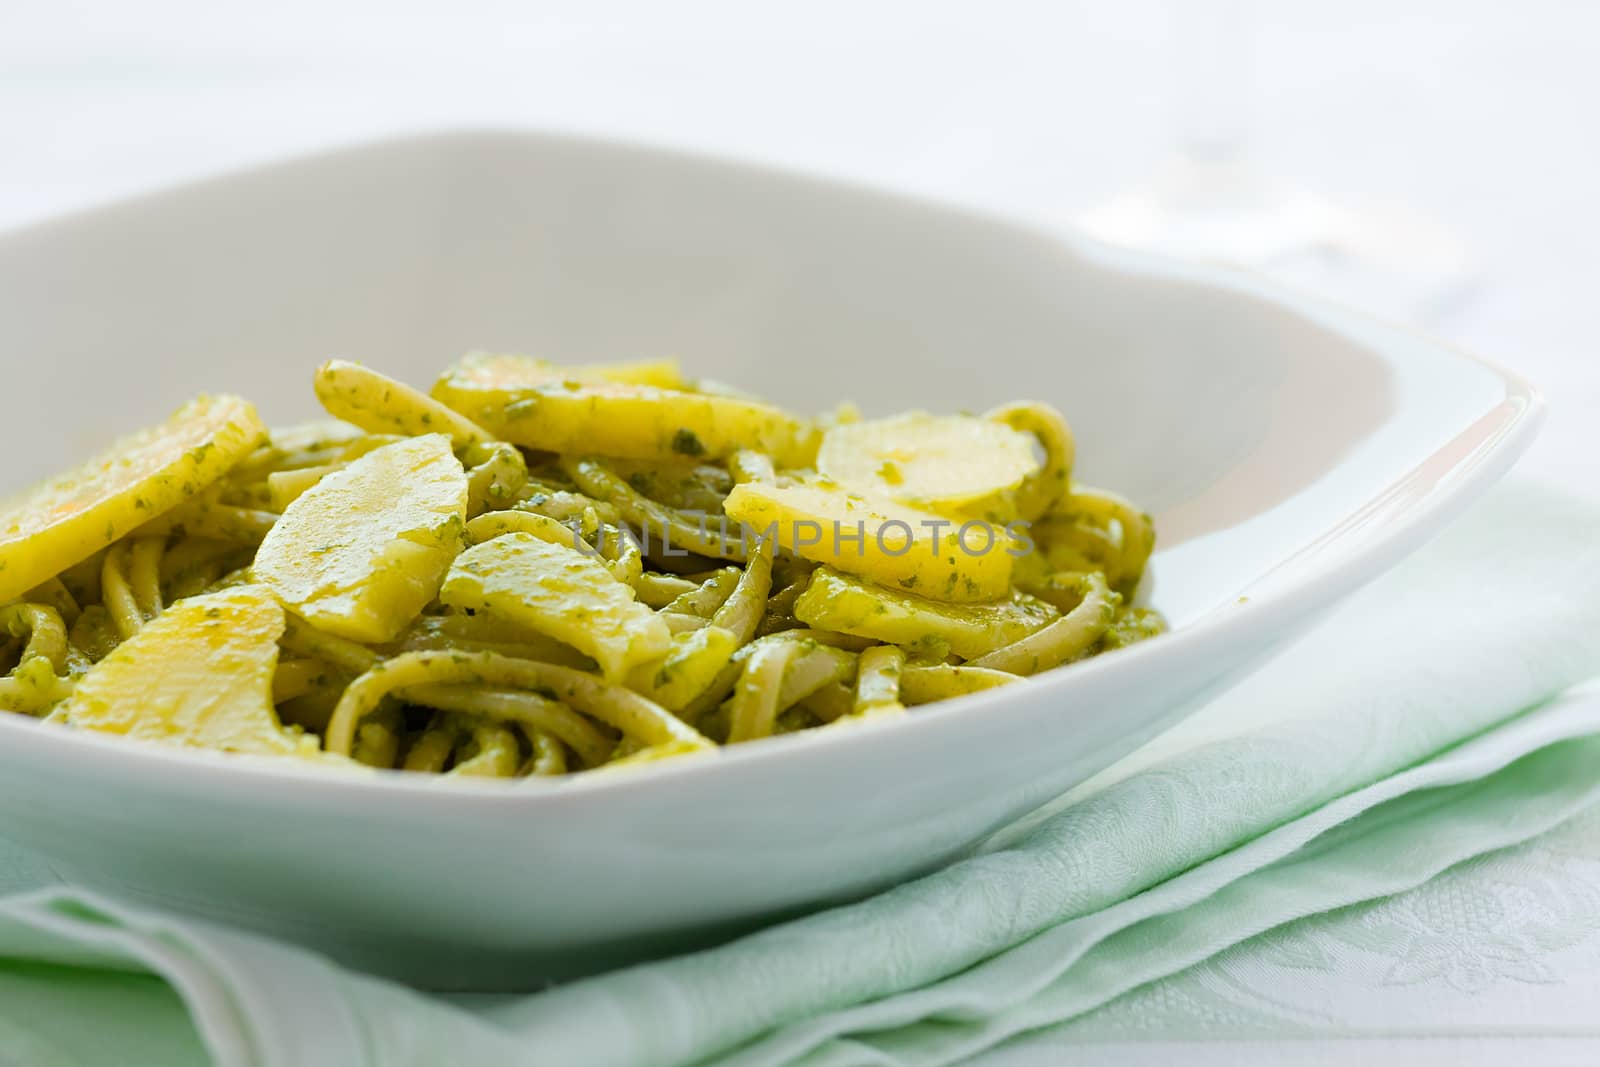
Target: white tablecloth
x=1476, y=114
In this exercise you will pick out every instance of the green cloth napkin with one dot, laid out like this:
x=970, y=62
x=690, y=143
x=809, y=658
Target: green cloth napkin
x=1418, y=727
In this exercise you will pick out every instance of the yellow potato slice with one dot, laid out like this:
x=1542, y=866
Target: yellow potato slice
x=889, y=543
x=697, y=657
x=628, y=421
x=491, y=371
x=924, y=685
x=361, y=552
x=66, y=520
x=199, y=675
x=835, y=601
x=560, y=592
x=943, y=463
x=379, y=404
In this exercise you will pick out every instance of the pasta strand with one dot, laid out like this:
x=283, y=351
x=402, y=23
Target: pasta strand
x=1068, y=637
x=754, y=708
x=614, y=705
x=674, y=528
x=119, y=598
x=144, y=574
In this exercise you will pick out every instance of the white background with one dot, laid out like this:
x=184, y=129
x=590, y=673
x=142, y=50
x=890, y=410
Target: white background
x=1480, y=115
x=1483, y=116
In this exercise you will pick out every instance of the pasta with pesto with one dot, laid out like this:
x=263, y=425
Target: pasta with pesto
x=535, y=571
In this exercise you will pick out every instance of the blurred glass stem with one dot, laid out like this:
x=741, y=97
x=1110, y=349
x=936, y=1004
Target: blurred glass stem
x=1211, y=201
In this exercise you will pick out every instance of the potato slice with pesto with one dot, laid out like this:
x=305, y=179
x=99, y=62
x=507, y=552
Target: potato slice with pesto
x=360, y=553
x=379, y=404
x=199, y=675
x=835, y=601
x=625, y=420
x=892, y=544
x=491, y=371
x=943, y=463
x=66, y=520
x=562, y=593
x=697, y=657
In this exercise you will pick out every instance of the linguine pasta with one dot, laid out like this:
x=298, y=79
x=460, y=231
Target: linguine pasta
x=536, y=570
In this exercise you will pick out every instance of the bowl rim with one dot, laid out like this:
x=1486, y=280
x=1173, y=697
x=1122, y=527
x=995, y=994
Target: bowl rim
x=1489, y=445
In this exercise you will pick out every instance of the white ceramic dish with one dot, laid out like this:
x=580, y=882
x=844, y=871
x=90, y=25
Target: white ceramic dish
x=1289, y=450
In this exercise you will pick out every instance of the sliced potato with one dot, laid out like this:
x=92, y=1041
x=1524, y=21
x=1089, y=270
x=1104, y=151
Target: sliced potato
x=561, y=592
x=835, y=601
x=924, y=685
x=199, y=675
x=889, y=543
x=491, y=371
x=639, y=422
x=943, y=463
x=607, y=418
x=361, y=552
x=379, y=404
x=697, y=657
x=66, y=520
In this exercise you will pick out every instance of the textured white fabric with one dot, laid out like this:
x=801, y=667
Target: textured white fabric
x=1496, y=960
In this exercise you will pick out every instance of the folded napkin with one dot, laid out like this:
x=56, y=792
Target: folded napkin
x=1497, y=960
x=1418, y=727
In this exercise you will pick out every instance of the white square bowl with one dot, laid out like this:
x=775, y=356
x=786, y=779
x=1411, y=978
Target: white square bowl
x=1289, y=450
